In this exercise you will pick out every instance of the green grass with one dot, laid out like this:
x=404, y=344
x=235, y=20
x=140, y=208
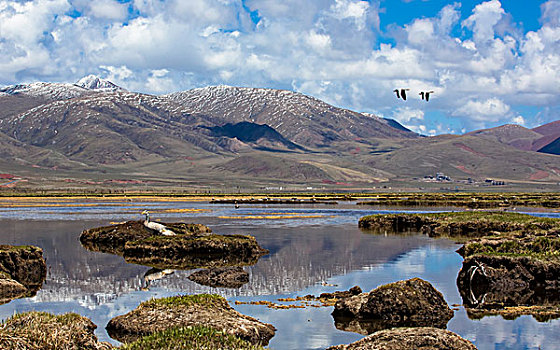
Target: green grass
x=186, y=300
x=506, y=217
x=191, y=338
x=13, y=248
x=476, y=216
x=542, y=248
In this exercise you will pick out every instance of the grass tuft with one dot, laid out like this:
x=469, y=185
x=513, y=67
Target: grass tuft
x=190, y=338
x=186, y=300
x=44, y=331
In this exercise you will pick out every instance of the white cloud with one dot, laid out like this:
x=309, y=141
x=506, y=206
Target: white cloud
x=28, y=22
x=406, y=115
x=485, y=16
x=448, y=18
x=518, y=120
x=159, y=82
x=108, y=9
x=410, y=118
x=25, y=31
x=551, y=13
x=117, y=74
x=351, y=9
x=420, y=32
x=488, y=110
x=319, y=42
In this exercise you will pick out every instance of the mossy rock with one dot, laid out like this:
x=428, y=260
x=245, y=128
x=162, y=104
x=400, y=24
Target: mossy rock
x=420, y=338
x=410, y=303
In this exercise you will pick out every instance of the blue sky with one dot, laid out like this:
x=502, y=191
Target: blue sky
x=489, y=62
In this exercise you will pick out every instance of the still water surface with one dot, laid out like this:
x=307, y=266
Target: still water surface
x=308, y=245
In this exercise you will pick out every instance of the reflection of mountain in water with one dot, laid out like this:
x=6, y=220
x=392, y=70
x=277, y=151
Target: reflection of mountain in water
x=300, y=257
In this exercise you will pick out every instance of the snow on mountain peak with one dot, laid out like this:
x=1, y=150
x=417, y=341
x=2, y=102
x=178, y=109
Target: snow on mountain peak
x=93, y=82
x=50, y=91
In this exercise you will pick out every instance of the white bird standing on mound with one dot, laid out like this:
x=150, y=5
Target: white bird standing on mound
x=157, y=226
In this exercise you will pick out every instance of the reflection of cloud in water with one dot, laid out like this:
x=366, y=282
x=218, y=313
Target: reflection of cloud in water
x=414, y=266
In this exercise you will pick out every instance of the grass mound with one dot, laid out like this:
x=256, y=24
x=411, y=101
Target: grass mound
x=197, y=337
x=541, y=248
x=44, y=331
x=468, y=224
x=206, y=300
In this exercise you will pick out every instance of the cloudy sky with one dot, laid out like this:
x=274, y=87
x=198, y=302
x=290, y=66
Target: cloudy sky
x=489, y=62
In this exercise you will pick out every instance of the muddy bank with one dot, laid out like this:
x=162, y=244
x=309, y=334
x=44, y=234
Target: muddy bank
x=510, y=286
x=178, y=252
x=223, y=277
x=22, y=271
x=410, y=303
x=40, y=330
x=112, y=239
x=427, y=338
x=205, y=310
x=459, y=224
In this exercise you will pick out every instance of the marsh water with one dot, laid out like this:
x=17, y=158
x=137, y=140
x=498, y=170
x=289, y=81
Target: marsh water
x=313, y=249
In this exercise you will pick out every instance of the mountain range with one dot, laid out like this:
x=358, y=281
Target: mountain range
x=94, y=131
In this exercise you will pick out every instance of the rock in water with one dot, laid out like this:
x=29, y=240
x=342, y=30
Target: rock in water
x=225, y=277
x=410, y=303
x=420, y=338
x=206, y=310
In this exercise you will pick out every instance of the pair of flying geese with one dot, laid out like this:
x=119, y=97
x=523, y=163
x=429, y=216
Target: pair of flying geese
x=402, y=94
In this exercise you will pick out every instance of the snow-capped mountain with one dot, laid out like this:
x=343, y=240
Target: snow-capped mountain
x=302, y=119
x=93, y=82
x=47, y=91
x=61, y=91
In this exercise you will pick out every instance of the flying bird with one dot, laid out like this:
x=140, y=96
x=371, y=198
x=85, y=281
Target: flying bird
x=426, y=95
x=401, y=93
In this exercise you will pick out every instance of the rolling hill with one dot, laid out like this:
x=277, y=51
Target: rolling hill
x=536, y=139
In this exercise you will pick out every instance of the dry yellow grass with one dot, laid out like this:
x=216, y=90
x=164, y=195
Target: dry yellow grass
x=274, y=217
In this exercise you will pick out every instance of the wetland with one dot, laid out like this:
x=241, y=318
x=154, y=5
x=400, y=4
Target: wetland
x=313, y=249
